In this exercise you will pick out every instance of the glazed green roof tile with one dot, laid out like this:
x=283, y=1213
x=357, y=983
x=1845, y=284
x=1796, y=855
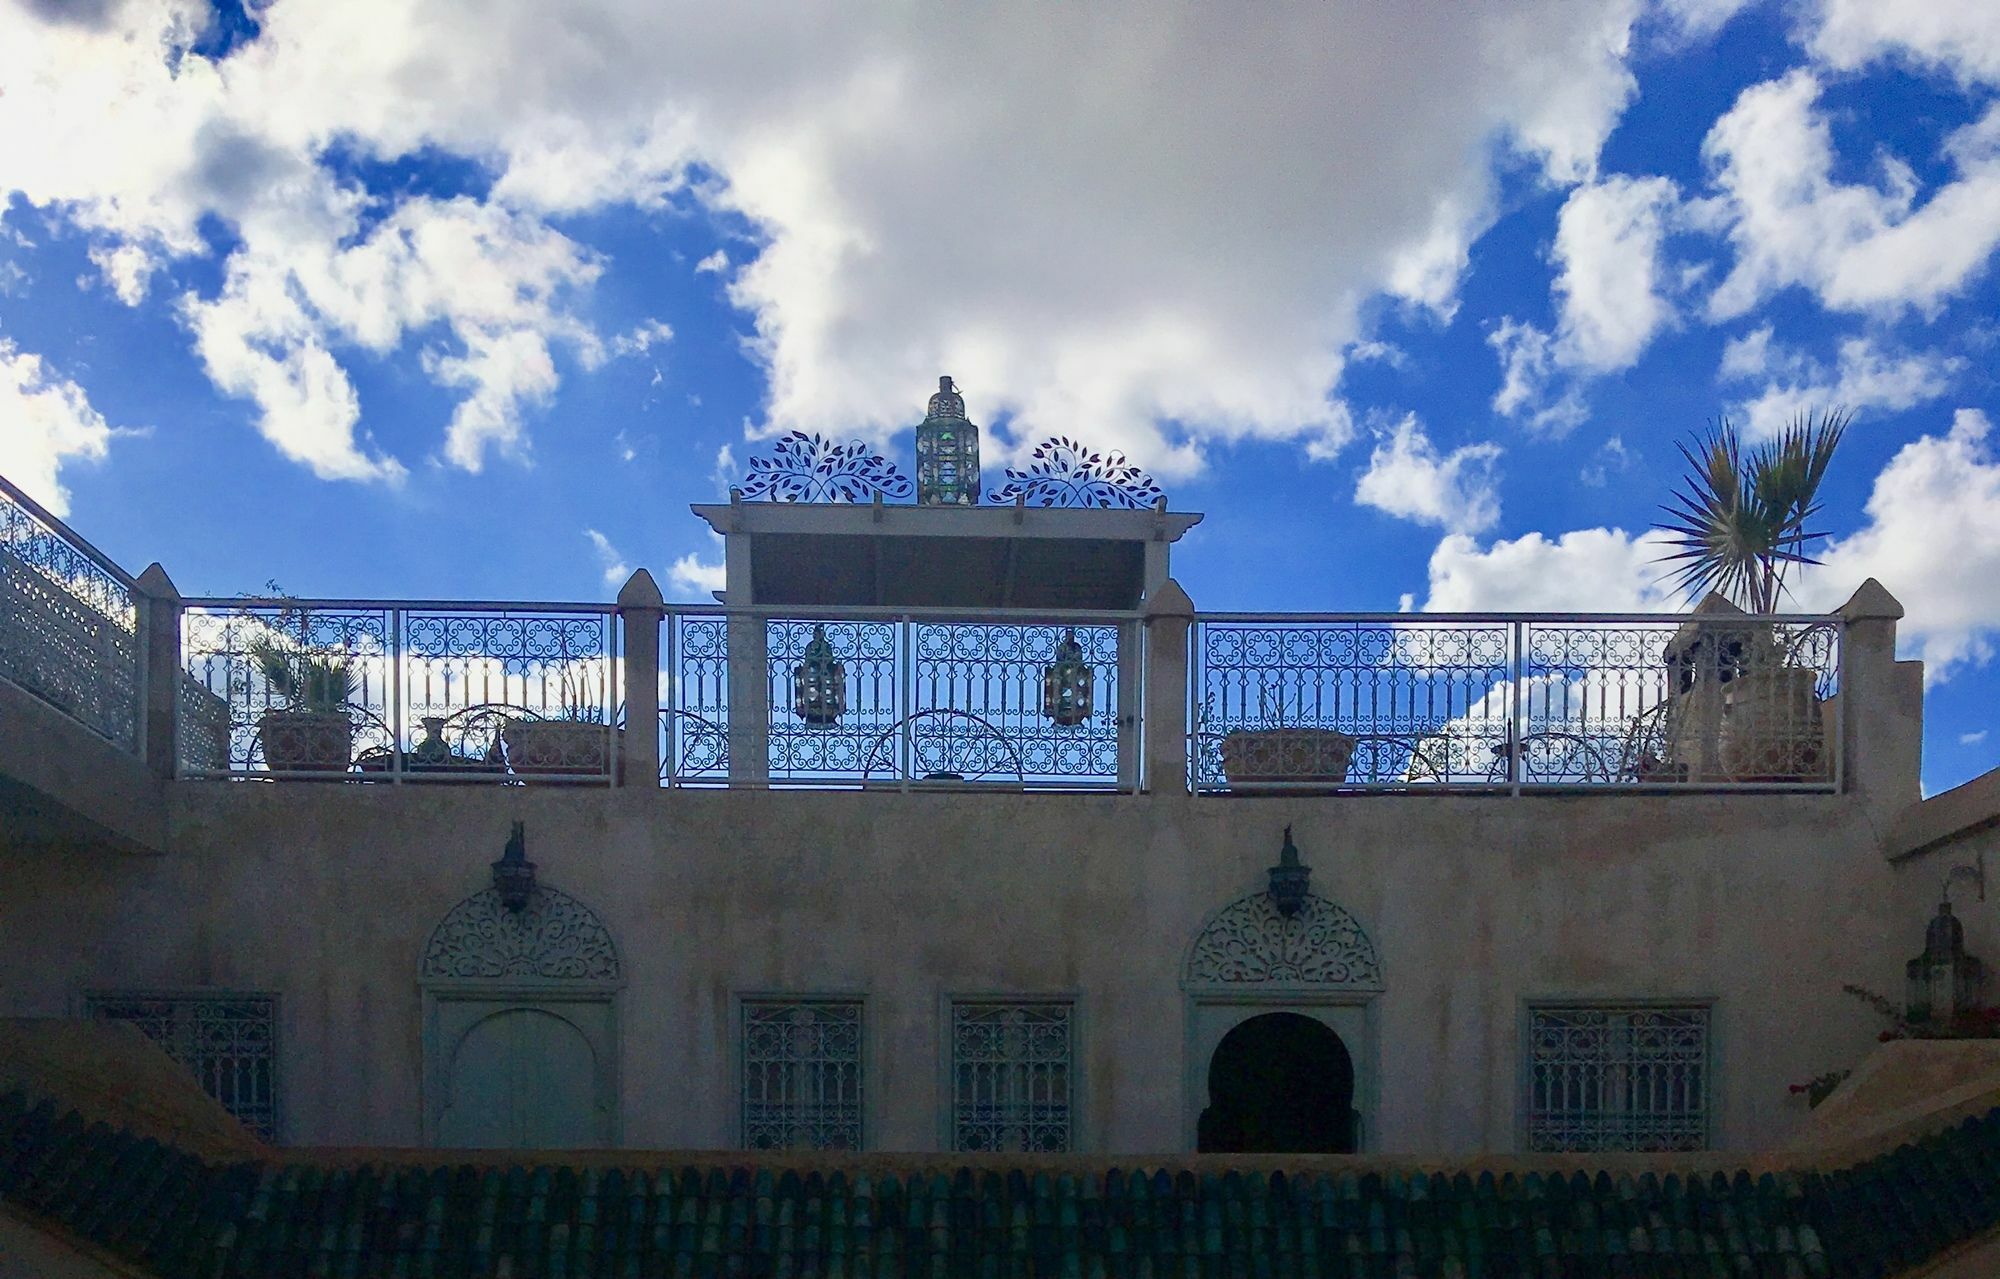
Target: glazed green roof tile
x=180, y=1216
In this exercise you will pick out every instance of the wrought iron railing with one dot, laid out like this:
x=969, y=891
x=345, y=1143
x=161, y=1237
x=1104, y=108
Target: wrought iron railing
x=1508, y=702
x=68, y=622
x=400, y=690
x=853, y=697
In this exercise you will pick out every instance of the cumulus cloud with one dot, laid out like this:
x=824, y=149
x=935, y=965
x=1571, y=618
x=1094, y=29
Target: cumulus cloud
x=1594, y=570
x=714, y=264
x=1052, y=212
x=1611, y=295
x=1864, y=377
x=1857, y=246
x=616, y=570
x=1409, y=478
x=1932, y=538
x=1959, y=36
x=693, y=575
x=45, y=421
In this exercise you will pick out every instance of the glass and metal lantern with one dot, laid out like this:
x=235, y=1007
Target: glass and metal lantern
x=819, y=683
x=947, y=452
x=1066, y=684
x=514, y=874
x=1944, y=981
x=1290, y=879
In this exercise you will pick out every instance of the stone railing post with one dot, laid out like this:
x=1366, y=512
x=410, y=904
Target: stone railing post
x=1169, y=616
x=160, y=662
x=641, y=608
x=1881, y=705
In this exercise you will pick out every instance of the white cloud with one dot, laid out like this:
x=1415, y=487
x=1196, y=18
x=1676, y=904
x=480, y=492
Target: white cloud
x=1972, y=739
x=1528, y=369
x=715, y=263
x=127, y=268
x=1961, y=36
x=1407, y=477
x=642, y=338
x=1932, y=538
x=1856, y=246
x=692, y=575
x=1608, y=285
x=914, y=184
x=725, y=473
x=1594, y=570
x=1863, y=377
x=616, y=570
x=1696, y=19
x=1611, y=458
x=45, y=421
x=1611, y=296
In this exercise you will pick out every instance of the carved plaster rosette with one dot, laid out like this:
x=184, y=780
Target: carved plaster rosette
x=554, y=937
x=1248, y=943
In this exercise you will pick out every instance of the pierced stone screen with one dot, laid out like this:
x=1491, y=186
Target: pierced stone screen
x=802, y=1075
x=228, y=1040
x=1011, y=1076
x=1618, y=1078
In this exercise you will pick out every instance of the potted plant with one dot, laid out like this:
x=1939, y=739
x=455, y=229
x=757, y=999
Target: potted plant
x=310, y=732
x=571, y=740
x=1279, y=750
x=1741, y=708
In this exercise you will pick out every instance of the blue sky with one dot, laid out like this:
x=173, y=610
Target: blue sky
x=464, y=300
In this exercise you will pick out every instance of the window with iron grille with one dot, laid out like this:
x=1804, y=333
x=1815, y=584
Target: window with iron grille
x=1011, y=1076
x=228, y=1039
x=801, y=1074
x=1618, y=1077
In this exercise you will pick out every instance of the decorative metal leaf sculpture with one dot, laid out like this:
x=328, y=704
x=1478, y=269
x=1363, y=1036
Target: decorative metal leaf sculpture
x=1062, y=472
x=809, y=468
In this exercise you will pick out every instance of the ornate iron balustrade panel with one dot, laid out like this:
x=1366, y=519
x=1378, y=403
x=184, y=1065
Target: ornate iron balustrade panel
x=1707, y=700
x=228, y=1040
x=68, y=622
x=1607, y=1078
x=392, y=691
x=1011, y=1077
x=892, y=700
x=802, y=1086
x=1302, y=703
x=1713, y=700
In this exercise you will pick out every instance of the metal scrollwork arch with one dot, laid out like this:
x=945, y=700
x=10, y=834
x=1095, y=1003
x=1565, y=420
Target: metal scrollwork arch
x=1248, y=943
x=554, y=937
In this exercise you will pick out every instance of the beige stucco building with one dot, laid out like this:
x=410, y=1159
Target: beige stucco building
x=892, y=876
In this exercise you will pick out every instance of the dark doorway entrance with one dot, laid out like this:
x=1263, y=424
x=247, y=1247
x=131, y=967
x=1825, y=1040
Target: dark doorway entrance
x=1281, y=1083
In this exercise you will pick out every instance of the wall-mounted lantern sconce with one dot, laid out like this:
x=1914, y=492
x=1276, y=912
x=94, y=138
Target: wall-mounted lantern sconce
x=1066, y=684
x=819, y=683
x=1944, y=981
x=514, y=874
x=1288, y=879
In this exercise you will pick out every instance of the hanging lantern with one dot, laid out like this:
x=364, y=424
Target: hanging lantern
x=1066, y=683
x=1289, y=879
x=819, y=684
x=1944, y=980
x=514, y=874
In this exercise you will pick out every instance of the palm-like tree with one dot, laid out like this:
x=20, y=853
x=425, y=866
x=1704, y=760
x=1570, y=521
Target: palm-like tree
x=1740, y=520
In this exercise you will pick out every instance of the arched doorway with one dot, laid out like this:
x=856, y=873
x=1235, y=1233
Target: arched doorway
x=523, y=1079
x=1279, y=1083
x=521, y=1025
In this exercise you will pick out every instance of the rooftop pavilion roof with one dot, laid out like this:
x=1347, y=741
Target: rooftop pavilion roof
x=1001, y=557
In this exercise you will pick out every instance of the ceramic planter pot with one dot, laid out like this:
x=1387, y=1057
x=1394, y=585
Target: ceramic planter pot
x=1772, y=728
x=557, y=748
x=1265, y=756
x=306, y=741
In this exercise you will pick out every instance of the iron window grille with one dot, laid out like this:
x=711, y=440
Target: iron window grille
x=802, y=1080
x=1012, y=1077
x=228, y=1040
x=1618, y=1078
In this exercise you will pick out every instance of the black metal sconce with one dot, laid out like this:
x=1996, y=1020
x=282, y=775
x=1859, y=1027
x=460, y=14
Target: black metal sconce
x=1066, y=684
x=514, y=874
x=819, y=684
x=1289, y=878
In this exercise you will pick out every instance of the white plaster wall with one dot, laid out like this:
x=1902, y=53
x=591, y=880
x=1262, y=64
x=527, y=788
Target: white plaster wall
x=326, y=894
